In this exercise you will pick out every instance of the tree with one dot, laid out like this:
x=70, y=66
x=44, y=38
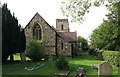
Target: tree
x=22, y=39
x=106, y=36
x=83, y=42
x=76, y=9
x=12, y=38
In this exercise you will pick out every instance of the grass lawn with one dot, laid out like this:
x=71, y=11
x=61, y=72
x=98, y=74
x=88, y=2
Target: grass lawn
x=85, y=61
x=17, y=57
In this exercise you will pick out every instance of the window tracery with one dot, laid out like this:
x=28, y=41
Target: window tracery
x=37, y=32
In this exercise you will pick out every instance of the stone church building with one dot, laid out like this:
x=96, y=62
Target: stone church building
x=57, y=41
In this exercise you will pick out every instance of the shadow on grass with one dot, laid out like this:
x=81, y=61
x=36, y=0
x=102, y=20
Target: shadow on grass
x=88, y=69
x=17, y=67
x=28, y=76
x=119, y=71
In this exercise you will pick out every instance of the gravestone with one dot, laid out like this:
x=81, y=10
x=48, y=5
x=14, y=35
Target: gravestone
x=80, y=72
x=105, y=69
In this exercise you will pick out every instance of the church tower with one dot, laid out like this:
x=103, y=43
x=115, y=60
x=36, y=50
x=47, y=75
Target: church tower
x=62, y=25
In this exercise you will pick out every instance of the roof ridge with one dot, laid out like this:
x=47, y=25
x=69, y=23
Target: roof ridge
x=42, y=18
x=66, y=32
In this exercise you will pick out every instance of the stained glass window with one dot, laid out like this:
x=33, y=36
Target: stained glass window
x=37, y=32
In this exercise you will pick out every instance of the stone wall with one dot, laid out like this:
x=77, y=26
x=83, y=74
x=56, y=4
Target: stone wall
x=51, y=41
x=48, y=36
x=74, y=49
x=66, y=47
x=63, y=22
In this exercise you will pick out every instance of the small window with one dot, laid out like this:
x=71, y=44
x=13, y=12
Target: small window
x=62, y=46
x=61, y=27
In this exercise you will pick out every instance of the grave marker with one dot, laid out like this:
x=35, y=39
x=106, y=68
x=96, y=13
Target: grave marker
x=105, y=68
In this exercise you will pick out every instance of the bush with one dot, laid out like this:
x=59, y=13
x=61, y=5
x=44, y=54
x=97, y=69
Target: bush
x=92, y=51
x=36, y=50
x=62, y=64
x=112, y=56
x=84, y=43
x=99, y=54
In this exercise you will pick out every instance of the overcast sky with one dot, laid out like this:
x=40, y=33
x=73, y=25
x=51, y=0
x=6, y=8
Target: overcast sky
x=50, y=11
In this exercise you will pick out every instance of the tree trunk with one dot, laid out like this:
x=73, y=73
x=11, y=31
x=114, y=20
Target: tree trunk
x=23, y=57
x=11, y=57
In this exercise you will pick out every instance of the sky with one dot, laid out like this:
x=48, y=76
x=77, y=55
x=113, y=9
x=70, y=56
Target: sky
x=50, y=10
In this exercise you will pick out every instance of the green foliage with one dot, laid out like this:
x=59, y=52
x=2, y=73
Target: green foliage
x=13, y=38
x=61, y=63
x=92, y=51
x=17, y=57
x=106, y=36
x=99, y=54
x=76, y=9
x=112, y=56
x=84, y=43
x=36, y=50
x=22, y=40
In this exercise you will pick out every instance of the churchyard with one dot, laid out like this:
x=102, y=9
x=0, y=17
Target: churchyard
x=49, y=69
x=56, y=51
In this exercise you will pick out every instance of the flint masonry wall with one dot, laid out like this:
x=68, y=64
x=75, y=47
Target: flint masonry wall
x=74, y=51
x=66, y=47
x=64, y=22
x=49, y=34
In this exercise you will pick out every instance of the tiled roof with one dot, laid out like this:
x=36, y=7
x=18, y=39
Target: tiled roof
x=68, y=36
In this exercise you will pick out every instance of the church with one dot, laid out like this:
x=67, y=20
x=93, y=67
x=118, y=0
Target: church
x=57, y=40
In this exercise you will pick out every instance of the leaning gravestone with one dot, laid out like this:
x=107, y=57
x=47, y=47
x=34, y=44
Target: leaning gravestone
x=105, y=69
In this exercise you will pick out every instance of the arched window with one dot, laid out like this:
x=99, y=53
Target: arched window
x=62, y=46
x=61, y=27
x=37, y=32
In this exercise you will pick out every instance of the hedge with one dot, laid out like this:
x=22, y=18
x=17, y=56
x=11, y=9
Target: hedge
x=112, y=56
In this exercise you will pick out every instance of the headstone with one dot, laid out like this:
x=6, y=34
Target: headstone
x=80, y=72
x=105, y=68
x=11, y=57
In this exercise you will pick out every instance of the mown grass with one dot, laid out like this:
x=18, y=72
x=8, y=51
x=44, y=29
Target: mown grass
x=85, y=61
x=17, y=57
